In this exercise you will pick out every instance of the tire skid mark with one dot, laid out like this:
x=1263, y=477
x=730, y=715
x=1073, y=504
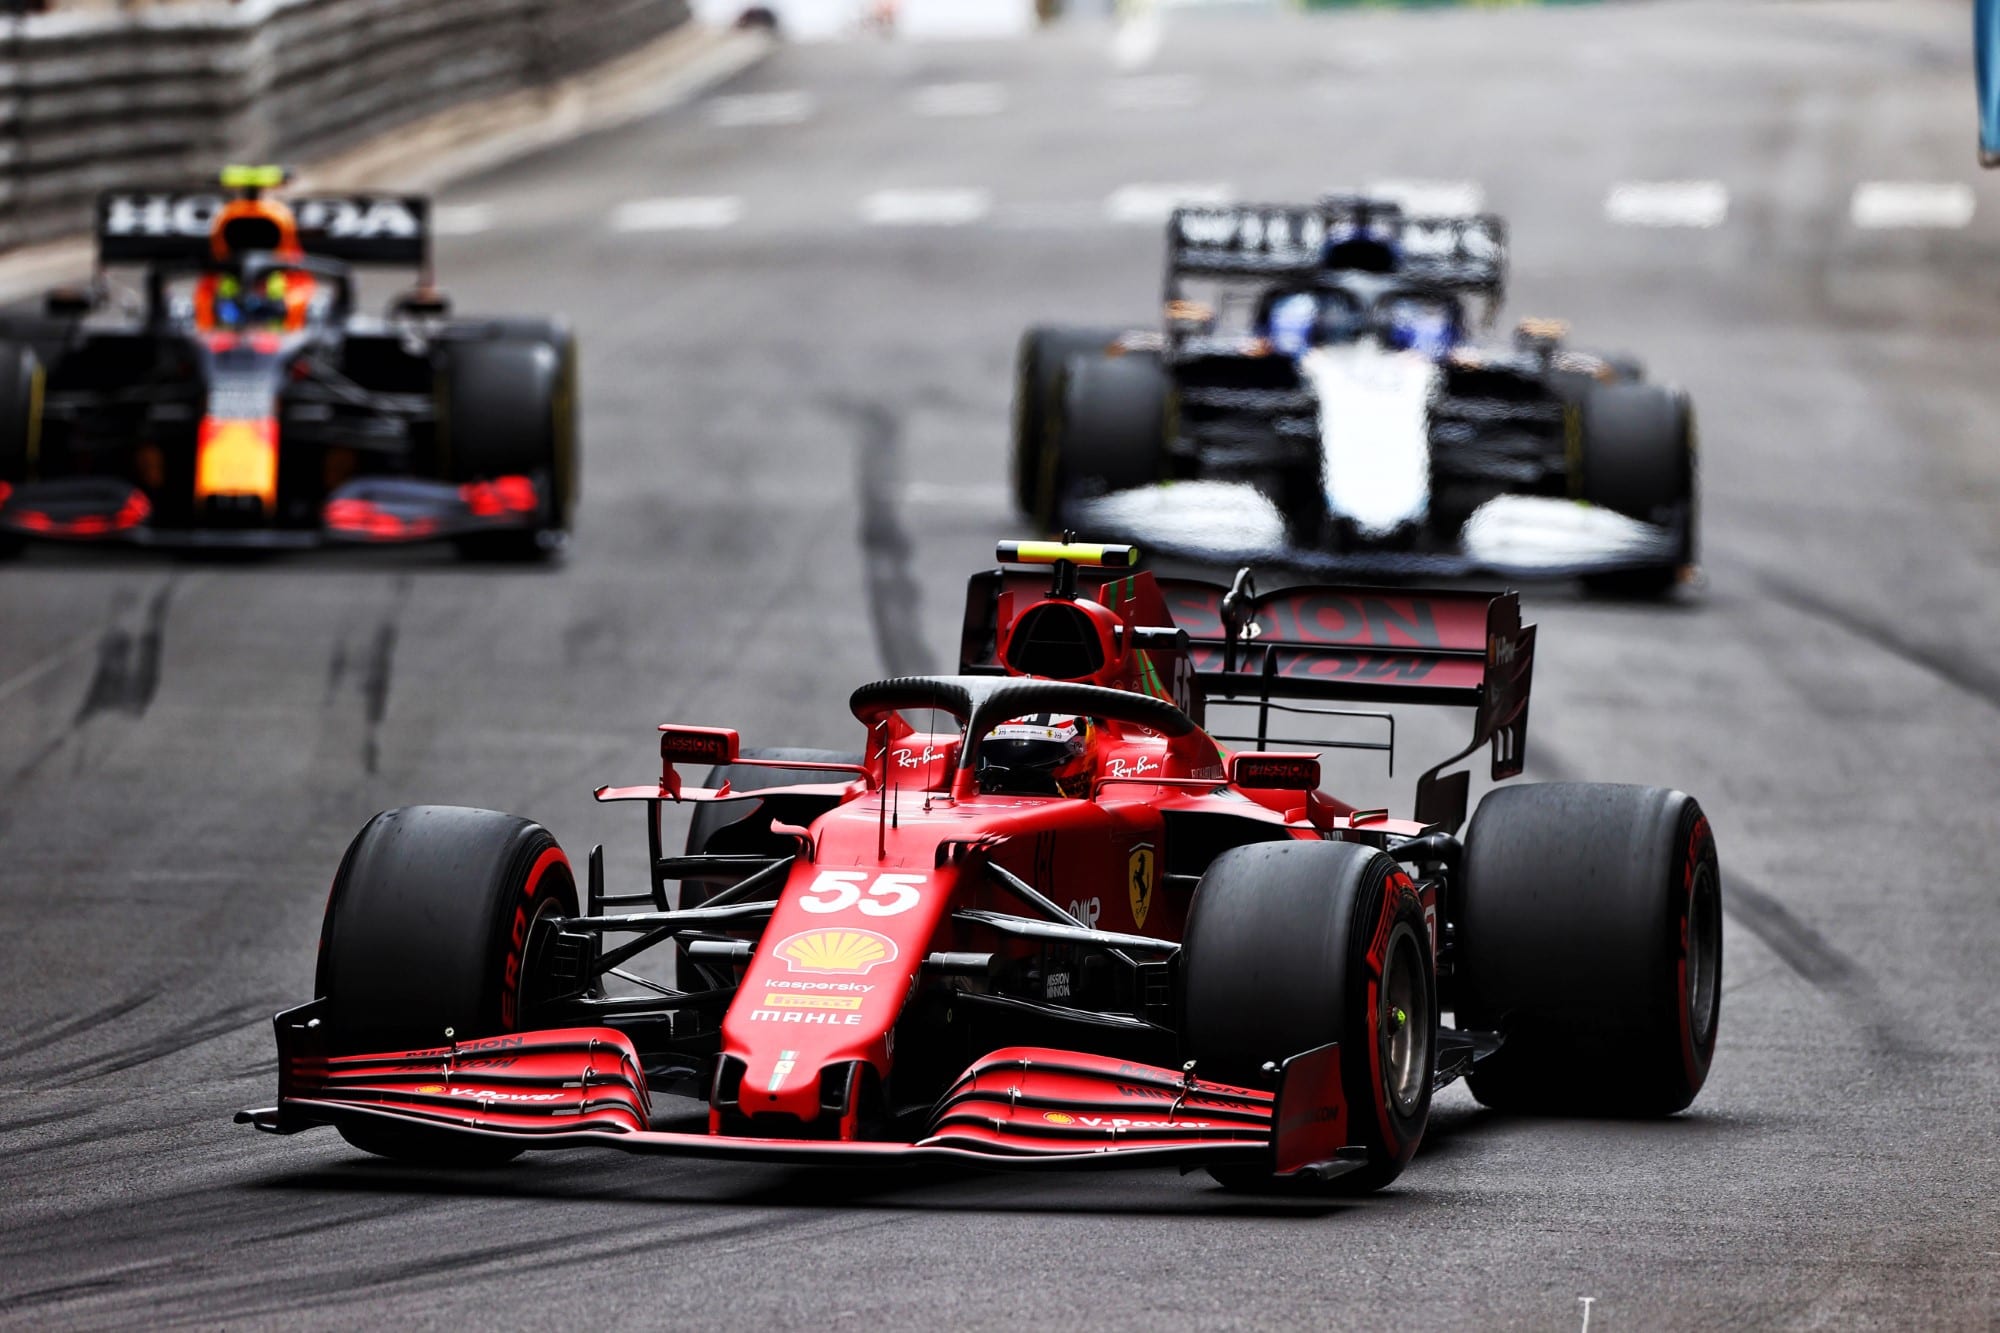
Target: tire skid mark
x=111, y=1278
x=174, y=1040
x=125, y=679
x=453, y=1270
x=49, y=1035
x=446, y=1271
x=1965, y=672
x=336, y=671
x=378, y=671
x=894, y=597
x=128, y=664
x=28, y=1122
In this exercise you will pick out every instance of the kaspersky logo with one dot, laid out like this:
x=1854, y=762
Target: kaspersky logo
x=836, y=952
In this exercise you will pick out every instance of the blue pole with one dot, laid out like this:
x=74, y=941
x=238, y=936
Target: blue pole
x=1986, y=44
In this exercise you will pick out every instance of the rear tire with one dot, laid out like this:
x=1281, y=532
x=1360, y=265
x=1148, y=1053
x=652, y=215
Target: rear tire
x=1638, y=460
x=1039, y=362
x=20, y=421
x=1590, y=937
x=429, y=929
x=510, y=410
x=1291, y=945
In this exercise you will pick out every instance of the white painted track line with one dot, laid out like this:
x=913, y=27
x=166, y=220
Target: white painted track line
x=1153, y=92
x=462, y=219
x=688, y=213
x=1432, y=198
x=926, y=208
x=1700, y=204
x=746, y=109
x=959, y=99
x=1150, y=204
x=1883, y=205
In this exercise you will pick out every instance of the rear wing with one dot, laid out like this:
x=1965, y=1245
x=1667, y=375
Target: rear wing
x=1330, y=645
x=166, y=226
x=1370, y=645
x=1467, y=252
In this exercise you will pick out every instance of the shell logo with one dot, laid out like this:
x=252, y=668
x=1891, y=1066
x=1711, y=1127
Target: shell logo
x=1059, y=1117
x=836, y=952
x=430, y=1087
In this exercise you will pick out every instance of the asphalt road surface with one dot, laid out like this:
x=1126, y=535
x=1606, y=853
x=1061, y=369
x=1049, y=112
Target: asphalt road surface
x=797, y=373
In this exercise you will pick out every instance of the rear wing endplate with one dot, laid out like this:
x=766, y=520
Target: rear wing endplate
x=154, y=226
x=1371, y=645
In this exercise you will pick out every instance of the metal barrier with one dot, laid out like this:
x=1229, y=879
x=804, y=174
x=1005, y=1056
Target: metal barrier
x=91, y=100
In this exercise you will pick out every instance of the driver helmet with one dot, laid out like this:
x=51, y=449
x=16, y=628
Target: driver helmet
x=253, y=224
x=1293, y=322
x=1044, y=754
x=1430, y=327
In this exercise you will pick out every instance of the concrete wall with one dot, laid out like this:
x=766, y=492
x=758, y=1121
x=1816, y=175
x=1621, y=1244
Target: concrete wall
x=167, y=94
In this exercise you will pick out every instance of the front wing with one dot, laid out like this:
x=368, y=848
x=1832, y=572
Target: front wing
x=1511, y=537
x=369, y=511
x=1022, y=1108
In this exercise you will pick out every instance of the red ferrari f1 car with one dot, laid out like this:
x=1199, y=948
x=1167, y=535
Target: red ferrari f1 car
x=1045, y=919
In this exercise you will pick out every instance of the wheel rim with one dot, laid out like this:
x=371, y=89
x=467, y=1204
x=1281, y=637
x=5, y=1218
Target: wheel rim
x=1405, y=1024
x=533, y=983
x=1704, y=955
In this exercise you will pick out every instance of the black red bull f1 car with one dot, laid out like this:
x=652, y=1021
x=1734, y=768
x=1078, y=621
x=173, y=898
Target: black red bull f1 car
x=242, y=399
x=1045, y=919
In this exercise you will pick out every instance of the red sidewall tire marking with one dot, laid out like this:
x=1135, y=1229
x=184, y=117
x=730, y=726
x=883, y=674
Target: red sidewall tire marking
x=517, y=935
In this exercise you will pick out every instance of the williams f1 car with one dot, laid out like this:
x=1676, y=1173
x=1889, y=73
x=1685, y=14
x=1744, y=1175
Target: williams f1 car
x=243, y=400
x=1045, y=919
x=1315, y=396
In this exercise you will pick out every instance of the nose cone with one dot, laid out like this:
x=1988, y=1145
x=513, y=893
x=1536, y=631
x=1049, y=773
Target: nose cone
x=829, y=979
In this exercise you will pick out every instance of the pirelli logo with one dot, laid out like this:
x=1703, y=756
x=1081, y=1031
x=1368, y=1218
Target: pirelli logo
x=812, y=1001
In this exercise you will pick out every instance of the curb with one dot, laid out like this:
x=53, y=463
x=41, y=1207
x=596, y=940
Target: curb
x=465, y=140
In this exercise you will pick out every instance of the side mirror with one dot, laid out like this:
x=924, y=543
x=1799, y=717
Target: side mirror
x=697, y=745
x=68, y=302
x=421, y=303
x=1270, y=771
x=1541, y=337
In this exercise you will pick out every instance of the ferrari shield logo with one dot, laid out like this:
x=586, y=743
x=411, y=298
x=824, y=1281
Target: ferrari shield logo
x=1139, y=881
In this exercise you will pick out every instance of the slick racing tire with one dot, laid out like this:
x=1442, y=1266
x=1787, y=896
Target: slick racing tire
x=1590, y=938
x=509, y=409
x=429, y=929
x=1039, y=364
x=20, y=420
x=1111, y=434
x=1292, y=945
x=1637, y=458
x=744, y=827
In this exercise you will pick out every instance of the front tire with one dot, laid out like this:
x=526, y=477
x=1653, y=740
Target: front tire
x=1112, y=433
x=430, y=930
x=1039, y=363
x=510, y=410
x=1292, y=945
x=1590, y=937
x=20, y=421
x=1638, y=459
